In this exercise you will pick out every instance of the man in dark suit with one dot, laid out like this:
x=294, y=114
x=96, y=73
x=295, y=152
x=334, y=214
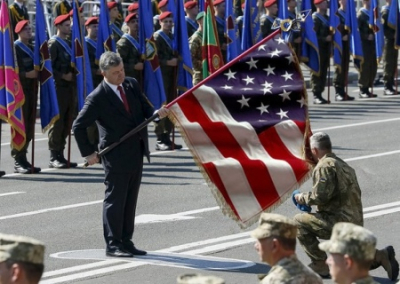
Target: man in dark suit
x=117, y=106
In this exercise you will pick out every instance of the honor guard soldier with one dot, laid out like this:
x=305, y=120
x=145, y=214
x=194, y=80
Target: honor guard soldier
x=195, y=42
x=60, y=54
x=82, y=18
x=18, y=12
x=129, y=49
x=120, y=18
x=168, y=64
x=21, y=259
x=219, y=9
x=276, y=245
x=133, y=8
x=390, y=53
x=28, y=77
x=191, y=9
x=92, y=27
x=116, y=31
x=321, y=27
x=369, y=64
x=271, y=10
x=62, y=8
x=162, y=7
x=351, y=251
x=340, y=75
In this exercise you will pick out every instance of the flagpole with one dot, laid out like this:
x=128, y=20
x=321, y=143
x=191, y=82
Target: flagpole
x=2, y=173
x=35, y=98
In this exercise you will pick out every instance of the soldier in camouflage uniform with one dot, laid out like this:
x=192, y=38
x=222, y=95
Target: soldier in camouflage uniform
x=21, y=258
x=321, y=27
x=267, y=20
x=28, y=78
x=62, y=8
x=195, y=50
x=64, y=78
x=129, y=49
x=276, y=244
x=351, y=251
x=337, y=195
x=390, y=53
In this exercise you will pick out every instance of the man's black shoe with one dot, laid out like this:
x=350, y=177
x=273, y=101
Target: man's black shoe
x=118, y=253
x=389, y=92
x=341, y=98
x=367, y=95
x=63, y=160
x=57, y=164
x=160, y=146
x=2, y=173
x=175, y=147
x=320, y=101
x=133, y=250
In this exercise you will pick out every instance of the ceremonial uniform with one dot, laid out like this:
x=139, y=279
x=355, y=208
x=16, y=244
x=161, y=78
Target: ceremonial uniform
x=128, y=48
x=338, y=198
x=295, y=35
x=290, y=270
x=91, y=46
x=369, y=65
x=62, y=8
x=340, y=75
x=321, y=27
x=192, y=26
x=390, y=53
x=24, y=55
x=116, y=32
x=266, y=25
x=17, y=13
x=197, y=61
x=221, y=35
x=60, y=54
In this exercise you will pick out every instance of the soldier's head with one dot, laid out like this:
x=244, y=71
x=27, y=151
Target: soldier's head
x=197, y=278
x=191, y=9
x=133, y=8
x=219, y=8
x=92, y=26
x=24, y=30
x=112, y=68
x=199, y=19
x=343, y=4
x=132, y=21
x=275, y=237
x=163, y=5
x=366, y=3
x=292, y=4
x=113, y=10
x=21, y=259
x=82, y=18
x=166, y=21
x=351, y=250
x=271, y=7
x=320, y=144
x=63, y=25
x=321, y=5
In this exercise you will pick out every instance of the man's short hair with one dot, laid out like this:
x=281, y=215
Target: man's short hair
x=286, y=243
x=321, y=141
x=109, y=59
x=32, y=271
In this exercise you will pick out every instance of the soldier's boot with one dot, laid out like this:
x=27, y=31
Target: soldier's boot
x=388, y=90
x=386, y=258
x=341, y=95
x=318, y=99
x=160, y=143
x=2, y=173
x=62, y=158
x=320, y=267
x=55, y=161
x=168, y=142
x=22, y=166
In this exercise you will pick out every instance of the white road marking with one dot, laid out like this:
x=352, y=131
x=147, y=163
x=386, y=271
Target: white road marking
x=372, y=156
x=382, y=206
x=11, y=193
x=356, y=124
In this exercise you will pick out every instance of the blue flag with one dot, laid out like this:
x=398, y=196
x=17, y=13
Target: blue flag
x=334, y=22
x=80, y=58
x=49, y=112
x=251, y=33
x=393, y=20
x=105, y=41
x=283, y=14
x=233, y=48
x=153, y=86
x=376, y=25
x=309, y=48
x=181, y=44
x=201, y=5
x=351, y=25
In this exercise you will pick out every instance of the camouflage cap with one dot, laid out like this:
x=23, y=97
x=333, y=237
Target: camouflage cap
x=351, y=239
x=275, y=225
x=19, y=248
x=199, y=279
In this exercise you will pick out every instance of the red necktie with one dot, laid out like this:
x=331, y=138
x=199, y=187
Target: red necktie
x=123, y=97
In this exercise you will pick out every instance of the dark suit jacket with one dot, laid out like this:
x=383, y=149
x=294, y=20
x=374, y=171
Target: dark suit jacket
x=105, y=108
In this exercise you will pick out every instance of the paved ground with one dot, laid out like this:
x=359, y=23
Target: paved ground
x=179, y=222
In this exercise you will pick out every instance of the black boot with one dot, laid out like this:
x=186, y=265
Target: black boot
x=55, y=161
x=71, y=164
x=22, y=166
x=2, y=173
x=341, y=95
x=318, y=99
x=168, y=141
x=389, y=91
x=160, y=144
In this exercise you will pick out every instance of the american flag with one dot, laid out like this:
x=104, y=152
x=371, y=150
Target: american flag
x=247, y=127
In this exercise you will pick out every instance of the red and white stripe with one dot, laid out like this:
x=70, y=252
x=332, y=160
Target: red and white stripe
x=252, y=172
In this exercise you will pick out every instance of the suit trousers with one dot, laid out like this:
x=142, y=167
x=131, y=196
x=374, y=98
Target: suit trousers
x=369, y=66
x=119, y=207
x=318, y=82
x=340, y=75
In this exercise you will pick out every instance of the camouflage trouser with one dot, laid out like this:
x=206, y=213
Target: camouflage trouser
x=311, y=227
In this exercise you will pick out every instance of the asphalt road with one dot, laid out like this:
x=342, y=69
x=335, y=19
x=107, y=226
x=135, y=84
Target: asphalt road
x=178, y=220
